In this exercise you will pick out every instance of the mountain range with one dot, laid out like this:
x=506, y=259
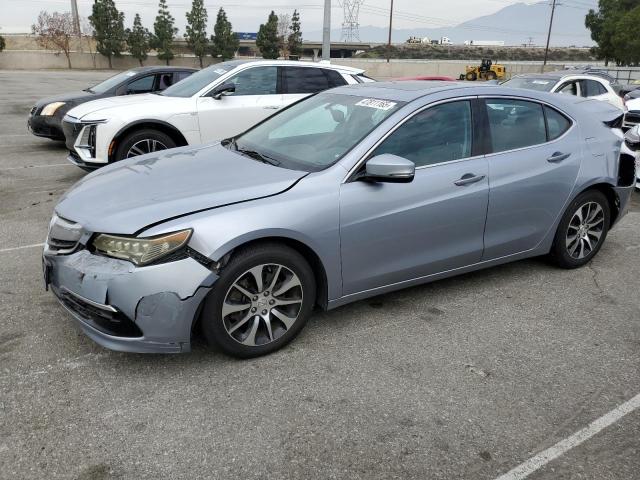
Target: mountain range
x=516, y=24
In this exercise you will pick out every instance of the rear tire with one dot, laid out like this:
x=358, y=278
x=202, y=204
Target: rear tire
x=582, y=230
x=141, y=142
x=491, y=76
x=245, y=319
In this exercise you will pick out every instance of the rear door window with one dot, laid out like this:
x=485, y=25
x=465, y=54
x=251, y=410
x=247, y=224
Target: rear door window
x=304, y=80
x=515, y=124
x=335, y=78
x=592, y=88
x=165, y=80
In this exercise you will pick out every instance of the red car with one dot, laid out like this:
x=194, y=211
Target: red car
x=432, y=78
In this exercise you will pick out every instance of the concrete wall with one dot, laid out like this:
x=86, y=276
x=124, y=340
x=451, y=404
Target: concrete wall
x=33, y=60
x=381, y=70
x=378, y=69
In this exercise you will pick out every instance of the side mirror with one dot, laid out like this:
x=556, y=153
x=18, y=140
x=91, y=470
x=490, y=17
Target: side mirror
x=390, y=168
x=224, y=89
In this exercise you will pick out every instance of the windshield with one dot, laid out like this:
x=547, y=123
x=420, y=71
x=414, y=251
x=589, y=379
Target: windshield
x=111, y=82
x=196, y=82
x=315, y=133
x=540, y=84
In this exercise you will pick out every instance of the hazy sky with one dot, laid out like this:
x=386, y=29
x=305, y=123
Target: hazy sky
x=246, y=15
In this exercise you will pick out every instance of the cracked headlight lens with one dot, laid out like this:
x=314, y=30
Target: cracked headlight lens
x=51, y=108
x=141, y=251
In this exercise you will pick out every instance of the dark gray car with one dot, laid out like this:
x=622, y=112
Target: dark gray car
x=354, y=192
x=45, y=117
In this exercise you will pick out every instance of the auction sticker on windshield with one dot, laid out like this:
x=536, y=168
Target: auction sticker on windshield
x=375, y=103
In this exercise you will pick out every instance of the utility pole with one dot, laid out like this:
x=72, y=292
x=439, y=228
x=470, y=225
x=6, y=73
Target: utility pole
x=326, y=32
x=546, y=50
x=390, y=27
x=76, y=18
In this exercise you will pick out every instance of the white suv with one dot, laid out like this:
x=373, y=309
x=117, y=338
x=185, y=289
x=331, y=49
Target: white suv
x=568, y=82
x=215, y=103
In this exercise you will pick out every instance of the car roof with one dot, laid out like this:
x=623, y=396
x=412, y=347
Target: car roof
x=296, y=63
x=408, y=91
x=161, y=68
x=559, y=75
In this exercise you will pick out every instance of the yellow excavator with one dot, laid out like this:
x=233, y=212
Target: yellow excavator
x=486, y=71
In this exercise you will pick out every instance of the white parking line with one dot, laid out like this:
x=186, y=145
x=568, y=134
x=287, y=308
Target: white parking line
x=541, y=459
x=12, y=249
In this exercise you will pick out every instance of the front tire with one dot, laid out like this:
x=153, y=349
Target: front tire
x=582, y=230
x=262, y=300
x=142, y=142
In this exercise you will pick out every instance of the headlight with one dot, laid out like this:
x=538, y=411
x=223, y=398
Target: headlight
x=141, y=251
x=50, y=109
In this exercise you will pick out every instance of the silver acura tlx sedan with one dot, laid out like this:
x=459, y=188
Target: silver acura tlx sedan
x=353, y=192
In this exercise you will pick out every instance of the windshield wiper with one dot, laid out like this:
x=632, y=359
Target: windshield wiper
x=261, y=157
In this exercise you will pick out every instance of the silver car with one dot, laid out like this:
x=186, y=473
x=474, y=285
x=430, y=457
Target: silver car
x=351, y=193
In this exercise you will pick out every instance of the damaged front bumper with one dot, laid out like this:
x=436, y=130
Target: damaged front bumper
x=127, y=308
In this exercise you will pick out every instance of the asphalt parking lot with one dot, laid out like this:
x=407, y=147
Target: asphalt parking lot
x=465, y=378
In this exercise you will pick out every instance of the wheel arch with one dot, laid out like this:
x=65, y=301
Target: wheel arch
x=309, y=254
x=159, y=125
x=612, y=198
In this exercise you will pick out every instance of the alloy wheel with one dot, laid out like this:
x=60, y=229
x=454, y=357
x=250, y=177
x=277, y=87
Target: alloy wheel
x=585, y=230
x=262, y=304
x=146, y=145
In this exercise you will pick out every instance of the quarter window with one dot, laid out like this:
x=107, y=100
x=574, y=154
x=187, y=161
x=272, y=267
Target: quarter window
x=515, y=124
x=438, y=134
x=557, y=124
x=256, y=81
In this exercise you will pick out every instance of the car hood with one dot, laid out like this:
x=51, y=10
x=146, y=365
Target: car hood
x=70, y=98
x=130, y=195
x=142, y=102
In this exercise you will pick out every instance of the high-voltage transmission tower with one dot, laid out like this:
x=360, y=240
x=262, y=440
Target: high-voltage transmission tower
x=350, y=25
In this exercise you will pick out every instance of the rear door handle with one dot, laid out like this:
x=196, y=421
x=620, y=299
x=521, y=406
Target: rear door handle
x=468, y=179
x=558, y=157
x=272, y=107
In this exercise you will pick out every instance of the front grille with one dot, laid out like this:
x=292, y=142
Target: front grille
x=112, y=323
x=63, y=236
x=71, y=129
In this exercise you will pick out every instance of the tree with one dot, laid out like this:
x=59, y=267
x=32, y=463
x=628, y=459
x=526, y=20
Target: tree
x=197, y=29
x=108, y=24
x=224, y=41
x=284, y=22
x=267, y=40
x=138, y=40
x=604, y=24
x=3, y=44
x=55, y=30
x=164, y=31
x=295, y=37
x=626, y=39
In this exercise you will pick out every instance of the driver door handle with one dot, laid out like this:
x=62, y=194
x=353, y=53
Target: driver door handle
x=272, y=107
x=558, y=157
x=468, y=179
